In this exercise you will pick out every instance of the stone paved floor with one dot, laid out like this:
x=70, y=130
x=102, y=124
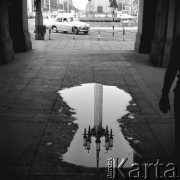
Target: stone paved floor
x=29, y=104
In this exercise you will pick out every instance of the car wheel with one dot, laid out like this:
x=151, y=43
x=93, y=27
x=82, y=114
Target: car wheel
x=86, y=32
x=75, y=31
x=54, y=29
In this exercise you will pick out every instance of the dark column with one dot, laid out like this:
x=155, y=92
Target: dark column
x=18, y=24
x=146, y=25
x=170, y=33
x=177, y=18
x=6, y=48
x=158, y=43
x=38, y=21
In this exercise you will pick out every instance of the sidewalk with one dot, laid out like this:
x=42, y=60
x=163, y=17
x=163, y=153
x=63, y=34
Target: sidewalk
x=29, y=105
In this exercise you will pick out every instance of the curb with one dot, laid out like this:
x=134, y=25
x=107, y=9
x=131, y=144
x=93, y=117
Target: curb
x=118, y=28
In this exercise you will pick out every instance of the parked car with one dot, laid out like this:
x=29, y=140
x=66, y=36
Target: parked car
x=126, y=18
x=49, y=16
x=68, y=24
x=31, y=15
x=119, y=14
x=81, y=14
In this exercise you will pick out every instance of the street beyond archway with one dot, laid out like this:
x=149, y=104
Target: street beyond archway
x=105, y=33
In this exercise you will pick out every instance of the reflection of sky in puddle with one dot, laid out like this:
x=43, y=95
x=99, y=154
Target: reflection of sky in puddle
x=115, y=102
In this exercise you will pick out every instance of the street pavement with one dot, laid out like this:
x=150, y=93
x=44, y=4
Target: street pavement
x=29, y=104
x=105, y=33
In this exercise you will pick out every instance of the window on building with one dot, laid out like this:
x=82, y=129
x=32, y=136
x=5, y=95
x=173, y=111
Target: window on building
x=99, y=9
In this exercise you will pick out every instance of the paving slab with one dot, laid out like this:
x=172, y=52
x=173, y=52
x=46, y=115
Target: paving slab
x=19, y=142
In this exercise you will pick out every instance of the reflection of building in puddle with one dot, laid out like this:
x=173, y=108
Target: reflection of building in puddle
x=98, y=131
x=98, y=106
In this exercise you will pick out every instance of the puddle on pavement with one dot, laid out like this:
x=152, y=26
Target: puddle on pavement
x=99, y=107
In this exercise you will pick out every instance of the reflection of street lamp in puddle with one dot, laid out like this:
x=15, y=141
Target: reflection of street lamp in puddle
x=98, y=131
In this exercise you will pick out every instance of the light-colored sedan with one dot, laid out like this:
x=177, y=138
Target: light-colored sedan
x=68, y=24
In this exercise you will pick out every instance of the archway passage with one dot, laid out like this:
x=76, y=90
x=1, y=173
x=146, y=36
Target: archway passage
x=37, y=126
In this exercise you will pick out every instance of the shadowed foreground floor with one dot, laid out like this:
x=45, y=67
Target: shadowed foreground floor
x=34, y=134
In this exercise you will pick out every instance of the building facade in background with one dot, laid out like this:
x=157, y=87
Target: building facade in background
x=50, y=5
x=103, y=6
x=98, y=6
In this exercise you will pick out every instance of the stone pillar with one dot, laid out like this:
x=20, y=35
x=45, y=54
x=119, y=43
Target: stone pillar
x=170, y=33
x=26, y=33
x=177, y=18
x=18, y=25
x=38, y=21
x=157, y=46
x=146, y=23
x=6, y=47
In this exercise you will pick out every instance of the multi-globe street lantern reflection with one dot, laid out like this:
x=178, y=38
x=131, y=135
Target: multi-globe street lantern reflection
x=103, y=132
x=98, y=131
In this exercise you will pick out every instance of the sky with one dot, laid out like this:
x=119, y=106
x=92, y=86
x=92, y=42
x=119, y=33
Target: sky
x=80, y=4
